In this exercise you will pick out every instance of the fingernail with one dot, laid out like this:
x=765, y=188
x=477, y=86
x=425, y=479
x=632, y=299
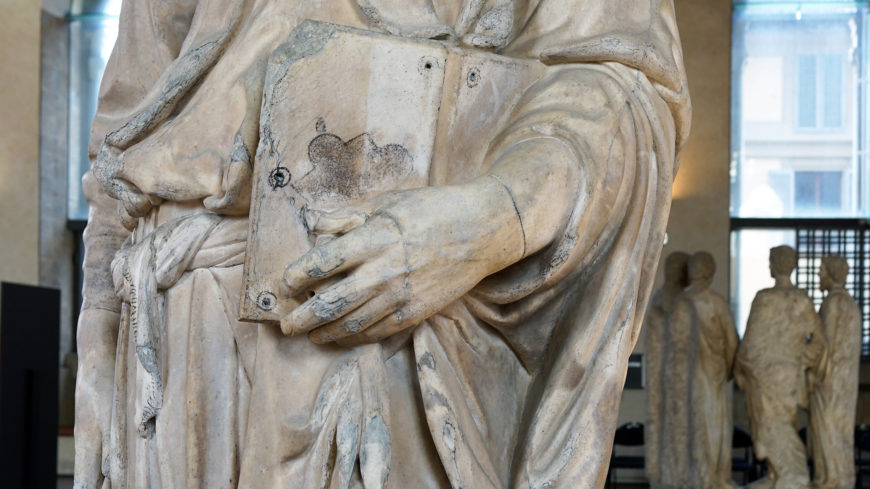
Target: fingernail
x=287, y=326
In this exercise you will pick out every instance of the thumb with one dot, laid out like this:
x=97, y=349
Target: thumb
x=340, y=221
x=335, y=222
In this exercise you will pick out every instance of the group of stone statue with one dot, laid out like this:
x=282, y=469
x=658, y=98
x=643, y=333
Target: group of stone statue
x=790, y=358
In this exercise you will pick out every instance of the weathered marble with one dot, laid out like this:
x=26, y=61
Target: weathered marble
x=783, y=343
x=694, y=448
x=656, y=338
x=834, y=397
x=456, y=318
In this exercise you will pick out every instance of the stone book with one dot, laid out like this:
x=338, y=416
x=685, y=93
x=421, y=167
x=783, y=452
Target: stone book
x=348, y=114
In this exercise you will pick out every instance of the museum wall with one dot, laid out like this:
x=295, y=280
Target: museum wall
x=699, y=214
x=19, y=141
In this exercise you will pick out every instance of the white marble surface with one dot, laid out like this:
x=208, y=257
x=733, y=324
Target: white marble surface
x=833, y=398
x=782, y=345
x=519, y=259
x=656, y=357
x=689, y=445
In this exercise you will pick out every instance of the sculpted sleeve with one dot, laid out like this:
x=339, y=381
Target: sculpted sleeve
x=622, y=138
x=748, y=352
x=817, y=352
x=732, y=341
x=623, y=116
x=124, y=84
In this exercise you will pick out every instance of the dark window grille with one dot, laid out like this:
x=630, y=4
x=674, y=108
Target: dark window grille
x=817, y=238
x=852, y=244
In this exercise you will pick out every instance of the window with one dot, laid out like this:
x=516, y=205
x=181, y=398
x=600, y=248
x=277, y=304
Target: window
x=93, y=29
x=799, y=170
x=762, y=88
x=820, y=91
x=818, y=193
x=810, y=54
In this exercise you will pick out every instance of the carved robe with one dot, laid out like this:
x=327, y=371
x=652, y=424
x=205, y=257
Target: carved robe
x=516, y=384
x=657, y=341
x=783, y=340
x=696, y=452
x=834, y=399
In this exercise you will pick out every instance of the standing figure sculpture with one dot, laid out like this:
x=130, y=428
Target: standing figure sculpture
x=707, y=318
x=470, y=331
x=782, y=342
x=656, y=350
x=695, y=447
x=834, y=397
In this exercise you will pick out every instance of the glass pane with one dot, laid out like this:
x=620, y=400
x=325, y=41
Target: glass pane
x=762, y=89
x=806, y=96
x=79, y=8
x=818, y=193
x=91, y=42
x=833, y=95
x=795, y=106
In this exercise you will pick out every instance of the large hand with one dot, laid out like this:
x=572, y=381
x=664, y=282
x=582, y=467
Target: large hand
x=97, y=338
x=107, y=168
x=400, y=258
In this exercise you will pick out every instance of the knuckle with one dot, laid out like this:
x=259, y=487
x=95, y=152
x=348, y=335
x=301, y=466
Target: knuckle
x=330, y=307
x=321, y=261
x=355, y=325
x=291, y=276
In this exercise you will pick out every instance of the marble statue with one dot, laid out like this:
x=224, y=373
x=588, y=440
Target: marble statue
x=468, y=329
x=703, y=318
x=782, y=345
x=694, y=435
x=834, y=397
x=656, y=340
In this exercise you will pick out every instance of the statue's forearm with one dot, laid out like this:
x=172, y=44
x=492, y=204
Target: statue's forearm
x=543, y=178
x=97, y=339
x=96, y=334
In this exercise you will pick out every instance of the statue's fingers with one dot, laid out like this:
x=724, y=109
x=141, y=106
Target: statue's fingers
x=359, y=320
x=129, y=222
x=330, y=304
x=326, y=306
x=335, y=222
x=383, y=329
x=136, y=204
x=333, y=257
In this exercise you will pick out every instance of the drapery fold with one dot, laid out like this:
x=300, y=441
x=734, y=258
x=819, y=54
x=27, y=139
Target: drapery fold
x=193, y=255
x=562, y=322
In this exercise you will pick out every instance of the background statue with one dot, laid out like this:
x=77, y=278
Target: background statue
x=472, y=332
x=655, y=356
x=714, y=344
x=696, y=433
x=783, y=340
x=834, y=397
